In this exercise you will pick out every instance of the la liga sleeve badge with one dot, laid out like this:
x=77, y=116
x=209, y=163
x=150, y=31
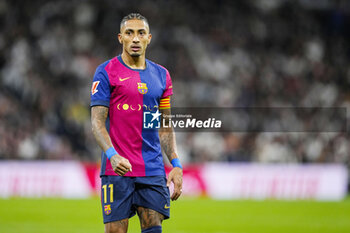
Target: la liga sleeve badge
x=94, y=87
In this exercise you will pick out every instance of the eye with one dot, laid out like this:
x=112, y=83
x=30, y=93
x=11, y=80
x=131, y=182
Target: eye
x=128, y=33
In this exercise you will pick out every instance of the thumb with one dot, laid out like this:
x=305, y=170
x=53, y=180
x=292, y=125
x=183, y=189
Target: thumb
x=130, y=167
x=128, y=164
x=169, y=181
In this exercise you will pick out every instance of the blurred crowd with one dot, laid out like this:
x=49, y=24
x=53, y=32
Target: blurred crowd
x=280, y=53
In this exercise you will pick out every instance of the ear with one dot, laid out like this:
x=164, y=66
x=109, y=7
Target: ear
x=149, y=38
x=120, y=38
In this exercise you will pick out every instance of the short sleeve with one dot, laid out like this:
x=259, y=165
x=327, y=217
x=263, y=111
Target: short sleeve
x=168, y=86
x=100, y=90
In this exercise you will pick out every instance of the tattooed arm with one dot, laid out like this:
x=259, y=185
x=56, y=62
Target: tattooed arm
x=99, y=115
x=168, y=144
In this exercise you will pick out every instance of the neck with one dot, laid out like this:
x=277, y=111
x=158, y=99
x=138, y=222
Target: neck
x=134, y=62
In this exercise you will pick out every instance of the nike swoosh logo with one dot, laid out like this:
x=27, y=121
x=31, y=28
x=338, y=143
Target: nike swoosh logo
x=123, y=79
x=166, y=207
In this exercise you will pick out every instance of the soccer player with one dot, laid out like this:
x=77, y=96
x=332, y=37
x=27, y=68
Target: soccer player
x=132, y=169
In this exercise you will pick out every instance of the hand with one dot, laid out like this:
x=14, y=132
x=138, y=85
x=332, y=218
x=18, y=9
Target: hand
x=120, y=165
x=175, y=176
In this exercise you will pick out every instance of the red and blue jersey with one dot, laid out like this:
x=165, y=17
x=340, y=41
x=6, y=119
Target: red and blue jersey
x=128, y=93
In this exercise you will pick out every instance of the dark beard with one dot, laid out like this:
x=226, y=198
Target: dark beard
x=135, y=55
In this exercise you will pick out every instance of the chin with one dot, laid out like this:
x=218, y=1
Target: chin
x=135, y=54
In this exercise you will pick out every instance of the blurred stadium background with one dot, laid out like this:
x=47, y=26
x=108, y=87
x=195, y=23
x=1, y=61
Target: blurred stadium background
x=253, y=53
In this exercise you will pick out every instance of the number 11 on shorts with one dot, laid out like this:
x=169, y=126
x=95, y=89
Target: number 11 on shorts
x=104, y=187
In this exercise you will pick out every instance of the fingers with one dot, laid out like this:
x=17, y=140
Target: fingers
x=121, y=171
x=122, y=168
x=120, y=165
x=175, y=176
x=177, y=191
x=125, y=165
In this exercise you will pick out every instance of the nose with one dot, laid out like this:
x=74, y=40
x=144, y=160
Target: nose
x=136, y=39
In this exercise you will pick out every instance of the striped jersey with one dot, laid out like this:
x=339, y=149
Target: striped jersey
x=128, y=93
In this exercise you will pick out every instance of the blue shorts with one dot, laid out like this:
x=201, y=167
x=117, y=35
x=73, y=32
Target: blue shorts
x=120, y=196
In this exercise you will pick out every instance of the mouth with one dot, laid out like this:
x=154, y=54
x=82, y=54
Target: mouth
x=135, y=48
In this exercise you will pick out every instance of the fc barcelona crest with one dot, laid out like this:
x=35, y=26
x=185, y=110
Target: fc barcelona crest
x=142, y=87
x=108, y=209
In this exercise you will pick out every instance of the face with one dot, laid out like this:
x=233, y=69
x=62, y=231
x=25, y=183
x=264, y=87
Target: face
x=134, y=36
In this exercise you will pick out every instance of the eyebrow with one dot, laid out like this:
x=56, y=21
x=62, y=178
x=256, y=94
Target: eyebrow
x=130, y=29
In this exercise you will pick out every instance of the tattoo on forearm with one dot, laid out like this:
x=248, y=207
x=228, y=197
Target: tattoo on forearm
x=168, y=143
x=99, y=115
x=168, y=140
